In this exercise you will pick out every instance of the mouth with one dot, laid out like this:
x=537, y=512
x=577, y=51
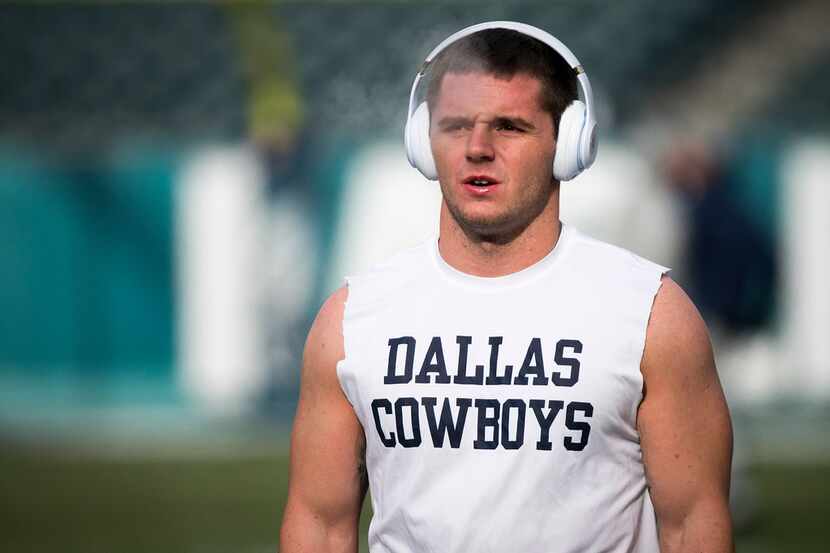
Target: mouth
x=480, y=184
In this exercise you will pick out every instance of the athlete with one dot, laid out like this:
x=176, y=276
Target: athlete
x=513, y=385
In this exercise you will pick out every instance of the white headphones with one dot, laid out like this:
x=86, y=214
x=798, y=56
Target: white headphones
x=576, y=144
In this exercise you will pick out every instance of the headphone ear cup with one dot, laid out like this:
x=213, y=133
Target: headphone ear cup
x=418, y=148
x=568, y=143
x=588, y=145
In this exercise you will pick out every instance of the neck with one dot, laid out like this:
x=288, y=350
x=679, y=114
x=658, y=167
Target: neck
x=498, y=255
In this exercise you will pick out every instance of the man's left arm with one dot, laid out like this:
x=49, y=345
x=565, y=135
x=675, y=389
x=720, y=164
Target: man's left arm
x=685, y=429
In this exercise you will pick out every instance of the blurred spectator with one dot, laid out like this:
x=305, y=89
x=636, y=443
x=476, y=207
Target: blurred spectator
x=731, y=264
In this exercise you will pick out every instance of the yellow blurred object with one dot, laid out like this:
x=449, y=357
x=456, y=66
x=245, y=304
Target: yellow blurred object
x=275, y=107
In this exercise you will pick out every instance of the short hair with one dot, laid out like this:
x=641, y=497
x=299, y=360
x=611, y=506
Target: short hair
x=504, y=53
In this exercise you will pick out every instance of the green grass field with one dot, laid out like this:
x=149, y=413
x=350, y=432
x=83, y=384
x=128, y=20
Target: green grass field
x=88, y=505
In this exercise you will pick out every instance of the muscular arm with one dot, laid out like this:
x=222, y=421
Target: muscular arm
x=685, y=429
x=327, y=481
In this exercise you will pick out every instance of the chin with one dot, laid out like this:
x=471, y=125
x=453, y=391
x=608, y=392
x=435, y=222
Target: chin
x=486, y=224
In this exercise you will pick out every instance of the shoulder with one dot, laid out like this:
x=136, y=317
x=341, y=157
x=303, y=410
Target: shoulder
x=677, y=340
x=362, y=290
x=597, y=253
x=619, y=276
x=397, y=261
x=383, y=279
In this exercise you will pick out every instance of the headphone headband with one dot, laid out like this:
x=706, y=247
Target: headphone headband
x=525, y=29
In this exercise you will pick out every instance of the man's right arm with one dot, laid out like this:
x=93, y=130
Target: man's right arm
x=327, y=482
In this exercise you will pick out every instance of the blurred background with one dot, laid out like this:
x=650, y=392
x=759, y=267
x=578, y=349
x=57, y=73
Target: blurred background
x=182, y=184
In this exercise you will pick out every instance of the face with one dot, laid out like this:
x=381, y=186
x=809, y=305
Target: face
x=493, y=148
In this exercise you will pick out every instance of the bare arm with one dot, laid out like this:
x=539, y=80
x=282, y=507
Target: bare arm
x=685, y=429
x=327, y=480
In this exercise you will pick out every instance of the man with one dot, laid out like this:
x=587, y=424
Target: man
x=514, y=386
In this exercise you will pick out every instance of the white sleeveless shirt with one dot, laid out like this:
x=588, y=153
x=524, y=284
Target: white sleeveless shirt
x=500, y=413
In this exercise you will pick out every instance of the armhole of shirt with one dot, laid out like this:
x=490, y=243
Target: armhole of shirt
x=651, y=287
x=345, y=374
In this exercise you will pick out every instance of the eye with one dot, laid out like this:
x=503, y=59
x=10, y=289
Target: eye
x=454, y=126
x=508, y=126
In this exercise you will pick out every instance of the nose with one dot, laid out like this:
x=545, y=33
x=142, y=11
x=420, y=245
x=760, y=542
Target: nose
x=479, y=144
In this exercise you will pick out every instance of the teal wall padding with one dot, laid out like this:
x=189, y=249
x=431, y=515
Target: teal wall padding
x=87, y=279
x=40, y=235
